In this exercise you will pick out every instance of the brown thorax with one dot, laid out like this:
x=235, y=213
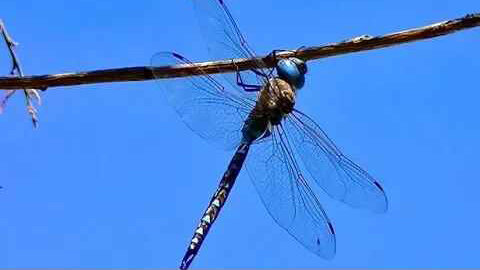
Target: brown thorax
x=276, y=100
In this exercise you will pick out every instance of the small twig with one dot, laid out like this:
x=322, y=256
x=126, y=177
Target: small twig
x=362, y=43
x=30, y=94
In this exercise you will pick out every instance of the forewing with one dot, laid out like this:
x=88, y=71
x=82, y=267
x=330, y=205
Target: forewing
x=287, y=196
x=225, y=41
x=210, y=110
x=337, y=175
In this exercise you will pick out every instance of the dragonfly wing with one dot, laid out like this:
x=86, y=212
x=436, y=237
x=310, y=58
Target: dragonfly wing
x=225, y=41
x=337, y=175
x=287, y=196
x=210, y=110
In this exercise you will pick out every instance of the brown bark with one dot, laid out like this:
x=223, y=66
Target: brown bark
x=362, y=43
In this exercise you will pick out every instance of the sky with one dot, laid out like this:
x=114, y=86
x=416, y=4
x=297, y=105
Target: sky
x=113, y=178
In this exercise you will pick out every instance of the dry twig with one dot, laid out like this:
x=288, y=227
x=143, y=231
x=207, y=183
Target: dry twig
x=31, y=95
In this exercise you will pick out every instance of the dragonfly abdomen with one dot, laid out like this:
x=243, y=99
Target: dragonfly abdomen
x=216, y=204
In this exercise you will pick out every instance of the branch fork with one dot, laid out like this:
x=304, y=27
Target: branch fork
x=32, y=95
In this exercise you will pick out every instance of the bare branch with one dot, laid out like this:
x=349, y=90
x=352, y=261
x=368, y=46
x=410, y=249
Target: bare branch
x=31, y=94
x=362, y=43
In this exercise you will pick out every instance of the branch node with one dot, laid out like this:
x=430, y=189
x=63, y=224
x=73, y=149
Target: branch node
x=359, y=39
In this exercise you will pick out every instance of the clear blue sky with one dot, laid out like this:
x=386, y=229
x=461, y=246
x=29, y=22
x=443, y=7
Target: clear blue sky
x=112, y=178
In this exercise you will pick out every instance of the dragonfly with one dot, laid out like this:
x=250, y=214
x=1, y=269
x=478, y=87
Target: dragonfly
x=285, y=152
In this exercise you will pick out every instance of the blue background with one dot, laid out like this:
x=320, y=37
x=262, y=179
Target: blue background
x=112, y=178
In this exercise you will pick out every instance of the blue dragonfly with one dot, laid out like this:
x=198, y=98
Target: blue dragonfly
x=253, y=111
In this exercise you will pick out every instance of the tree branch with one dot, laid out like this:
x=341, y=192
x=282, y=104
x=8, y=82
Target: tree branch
x=31, y=95
x=362, y=43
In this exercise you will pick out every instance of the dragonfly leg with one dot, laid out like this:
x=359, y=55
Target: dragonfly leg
x=245, y=86
x=259, y=73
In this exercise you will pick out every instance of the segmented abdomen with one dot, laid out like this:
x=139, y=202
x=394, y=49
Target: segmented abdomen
x=216, y=204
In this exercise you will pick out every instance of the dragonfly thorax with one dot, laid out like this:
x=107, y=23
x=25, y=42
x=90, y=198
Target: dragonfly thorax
x=275, y=101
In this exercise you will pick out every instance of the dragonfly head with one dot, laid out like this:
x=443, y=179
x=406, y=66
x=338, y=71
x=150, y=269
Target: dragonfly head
x=293, y=71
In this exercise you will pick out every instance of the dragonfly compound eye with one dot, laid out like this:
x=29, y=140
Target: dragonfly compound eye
x=301, y=65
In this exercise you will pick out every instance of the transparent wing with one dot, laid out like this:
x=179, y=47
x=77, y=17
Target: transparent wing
x=210, y=110
x=287, y=196
x=225, y=41
x=337, y=175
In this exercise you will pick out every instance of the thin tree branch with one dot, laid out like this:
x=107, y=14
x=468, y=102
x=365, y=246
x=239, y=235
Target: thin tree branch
x=362, y=43
x=30, y=94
